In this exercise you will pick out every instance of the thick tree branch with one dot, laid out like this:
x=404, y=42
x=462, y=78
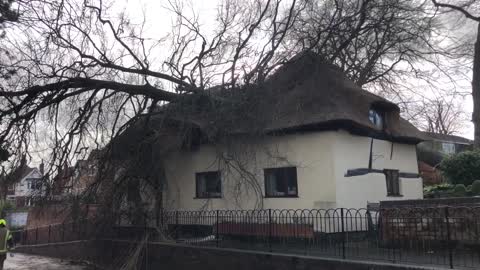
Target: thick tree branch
x=85, y=83
x=457, y=8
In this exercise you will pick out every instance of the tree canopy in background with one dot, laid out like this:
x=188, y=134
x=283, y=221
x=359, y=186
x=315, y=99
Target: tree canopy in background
x=470, y=9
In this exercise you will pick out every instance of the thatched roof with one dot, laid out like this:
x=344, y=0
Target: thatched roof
x=304, y=95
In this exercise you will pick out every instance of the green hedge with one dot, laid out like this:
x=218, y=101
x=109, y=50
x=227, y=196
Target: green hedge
x=462, y=168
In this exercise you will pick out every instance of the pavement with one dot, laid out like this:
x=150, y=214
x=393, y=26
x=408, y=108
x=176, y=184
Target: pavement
x=31, y=262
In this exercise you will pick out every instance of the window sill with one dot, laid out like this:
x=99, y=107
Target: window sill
x=397, y=196
x=270, y=197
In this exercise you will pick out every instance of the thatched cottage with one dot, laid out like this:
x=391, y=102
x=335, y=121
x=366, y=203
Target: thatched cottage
x=306, y=138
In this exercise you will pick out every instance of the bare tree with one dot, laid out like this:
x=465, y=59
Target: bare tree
x=86, y=75
x=468, y=9
x=441, y=114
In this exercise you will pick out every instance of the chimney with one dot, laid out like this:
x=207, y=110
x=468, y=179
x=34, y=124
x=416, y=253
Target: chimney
x=23, y=161
x=42, y=168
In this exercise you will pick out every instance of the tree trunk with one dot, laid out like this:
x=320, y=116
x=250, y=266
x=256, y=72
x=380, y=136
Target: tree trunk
x=476, y=91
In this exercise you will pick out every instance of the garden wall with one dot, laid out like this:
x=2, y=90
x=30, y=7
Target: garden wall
x=175, y=256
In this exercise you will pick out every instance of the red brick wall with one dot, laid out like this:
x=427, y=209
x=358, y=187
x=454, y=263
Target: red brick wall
x=54, y=214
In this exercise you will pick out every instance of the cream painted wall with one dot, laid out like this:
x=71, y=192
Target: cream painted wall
x=321, y=158
x=311, y=153
x=351, y=152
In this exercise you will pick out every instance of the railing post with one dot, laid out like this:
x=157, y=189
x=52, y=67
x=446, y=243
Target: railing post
x=63, y=232
x=161, y=218
x=342, y=215
x=176, y=225
x=36, y=235
x=216, y=231
x=49, y=231
x=85, y=229
x=270, y=230
x=145, y=225
x=450, y=252
x=304, y=232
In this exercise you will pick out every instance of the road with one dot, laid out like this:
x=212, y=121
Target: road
x=30, y=262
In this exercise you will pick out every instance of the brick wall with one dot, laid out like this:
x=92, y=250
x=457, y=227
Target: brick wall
x=431, y=224
x=54, y=214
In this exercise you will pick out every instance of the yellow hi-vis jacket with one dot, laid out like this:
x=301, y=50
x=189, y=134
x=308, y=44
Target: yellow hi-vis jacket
x=5, y=236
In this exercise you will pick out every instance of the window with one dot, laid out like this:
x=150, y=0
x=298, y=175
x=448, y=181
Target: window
x=448, y=148
x=393, y=182
x=34, y=183
x=376, y=118
x=11, y=189
x=208, y=185
x=281, y=182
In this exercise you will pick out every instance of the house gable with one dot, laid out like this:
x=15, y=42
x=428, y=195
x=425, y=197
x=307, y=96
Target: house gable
x=23, y=187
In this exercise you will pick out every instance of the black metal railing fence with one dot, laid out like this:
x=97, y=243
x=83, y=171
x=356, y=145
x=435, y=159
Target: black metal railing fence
x=448, y=236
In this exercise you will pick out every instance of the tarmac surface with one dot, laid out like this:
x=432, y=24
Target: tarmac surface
x=31, y=262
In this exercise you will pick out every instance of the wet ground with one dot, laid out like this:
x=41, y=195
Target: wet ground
x=30, y=262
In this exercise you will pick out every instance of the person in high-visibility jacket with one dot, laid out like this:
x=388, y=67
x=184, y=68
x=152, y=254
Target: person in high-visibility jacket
x=5, y=241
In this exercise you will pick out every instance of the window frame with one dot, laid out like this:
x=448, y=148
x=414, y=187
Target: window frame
x=389, y=177
x=267, y=195
x=208, y=196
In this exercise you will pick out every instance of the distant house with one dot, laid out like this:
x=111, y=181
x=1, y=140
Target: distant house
x=61, y=183
x=73, y=180
x=25, y=186
x=308, y=138
x=434, y=149
x=84, y=174
x=445, y=144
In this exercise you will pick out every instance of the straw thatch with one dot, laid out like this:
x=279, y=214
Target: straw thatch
x=303, y=95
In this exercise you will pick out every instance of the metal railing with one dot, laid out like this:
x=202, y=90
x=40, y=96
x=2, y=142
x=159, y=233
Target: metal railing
x=448, y=236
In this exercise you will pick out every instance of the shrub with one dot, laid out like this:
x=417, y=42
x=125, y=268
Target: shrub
x=462, y=168
x=460, y=190
x=438, y=191
x=475, y=187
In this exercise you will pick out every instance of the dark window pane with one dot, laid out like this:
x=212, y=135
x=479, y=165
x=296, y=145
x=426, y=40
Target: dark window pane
x=281, y=182
x=208, y=185
x=376, y=118
x=393, y=182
